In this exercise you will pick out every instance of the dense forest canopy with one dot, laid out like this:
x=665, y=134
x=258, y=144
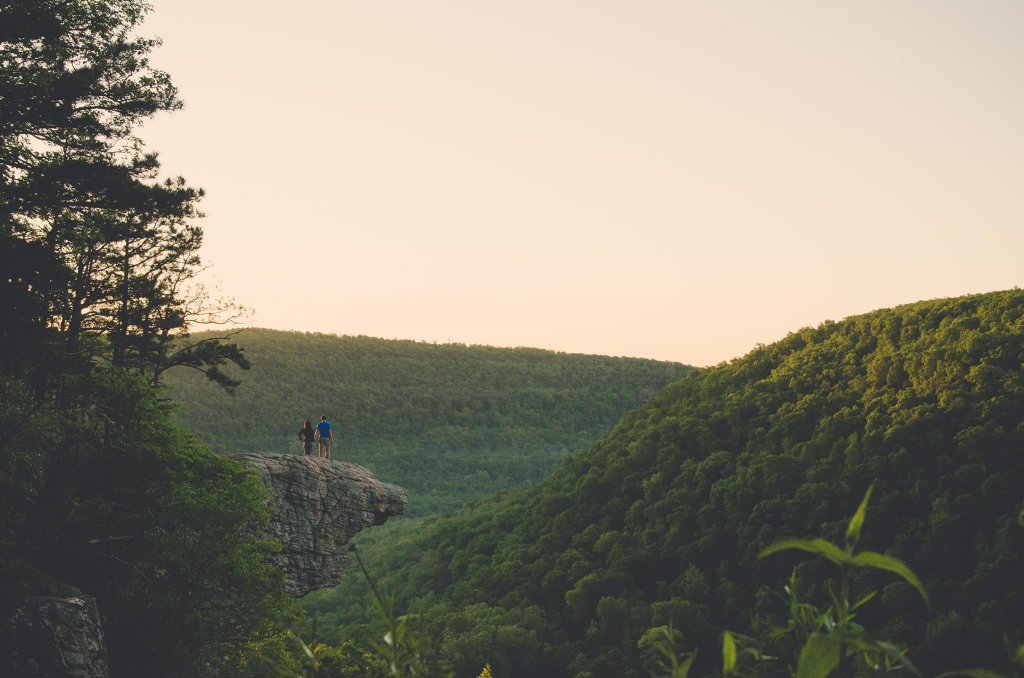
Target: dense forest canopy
x=661, y=521
x=450, y=423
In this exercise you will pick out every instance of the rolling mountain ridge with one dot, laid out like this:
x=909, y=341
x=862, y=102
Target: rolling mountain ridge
x=662, y=520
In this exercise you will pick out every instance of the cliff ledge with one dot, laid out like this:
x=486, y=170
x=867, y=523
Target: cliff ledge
x=317, y=506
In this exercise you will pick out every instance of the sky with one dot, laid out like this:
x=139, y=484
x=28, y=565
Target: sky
x=662, y=179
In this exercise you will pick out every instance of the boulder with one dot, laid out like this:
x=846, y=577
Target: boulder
x=57, y=637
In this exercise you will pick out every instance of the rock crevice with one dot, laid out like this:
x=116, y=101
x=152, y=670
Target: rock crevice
x=317, y=506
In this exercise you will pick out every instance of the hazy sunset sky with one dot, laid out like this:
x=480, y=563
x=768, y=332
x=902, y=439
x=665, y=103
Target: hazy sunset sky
x=673, y=180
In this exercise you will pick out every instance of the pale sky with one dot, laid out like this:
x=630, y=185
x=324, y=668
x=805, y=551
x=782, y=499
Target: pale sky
x=672, y=180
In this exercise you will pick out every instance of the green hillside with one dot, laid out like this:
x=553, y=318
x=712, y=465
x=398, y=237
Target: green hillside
x=450, y=423
x=662, y=520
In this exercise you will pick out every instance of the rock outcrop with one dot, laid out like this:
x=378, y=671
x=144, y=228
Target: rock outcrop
x=57, y=637
x=317, y=506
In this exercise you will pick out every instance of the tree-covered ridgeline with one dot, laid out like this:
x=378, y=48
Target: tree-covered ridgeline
x=662, y=521
x=450, y=423
x=100, y=491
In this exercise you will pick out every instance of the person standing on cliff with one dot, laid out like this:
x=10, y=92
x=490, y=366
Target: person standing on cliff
x=307, y=435
x=325, y=436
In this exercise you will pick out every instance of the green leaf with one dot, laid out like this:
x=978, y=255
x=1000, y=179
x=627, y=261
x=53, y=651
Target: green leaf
x=728, y=654
x=683, y=670
x=897, y=653
x=819, y=547
x=974, y=673
x=818, y=658
x=872, y=647
x=857, y=521
x=864, y=599
x=890, y=564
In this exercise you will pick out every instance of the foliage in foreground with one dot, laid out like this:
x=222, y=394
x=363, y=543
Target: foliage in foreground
x=814, y=643
x=127, y=508
x=830, y=639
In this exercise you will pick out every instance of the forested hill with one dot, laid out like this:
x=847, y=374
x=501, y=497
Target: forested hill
x=448, y=422
x=662, y=520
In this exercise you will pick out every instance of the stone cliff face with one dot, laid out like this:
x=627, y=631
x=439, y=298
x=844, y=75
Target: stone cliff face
x=317, y=506
x=56, y=637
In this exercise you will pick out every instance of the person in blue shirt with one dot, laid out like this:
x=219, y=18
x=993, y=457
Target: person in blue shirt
x=325, y=436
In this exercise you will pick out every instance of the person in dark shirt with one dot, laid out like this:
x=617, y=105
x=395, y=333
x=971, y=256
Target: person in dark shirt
x=307, y=435
x=325, y=436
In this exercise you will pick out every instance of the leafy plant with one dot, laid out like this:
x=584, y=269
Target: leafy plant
x=743, y=655
x=664, y=659
x=402, y=651
x=835, y=635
